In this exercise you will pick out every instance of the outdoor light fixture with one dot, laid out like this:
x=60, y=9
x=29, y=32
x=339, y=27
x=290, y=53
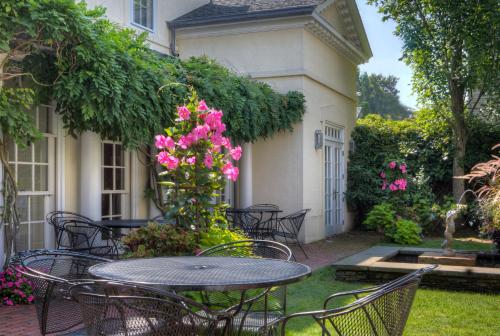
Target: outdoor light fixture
x=318, y=139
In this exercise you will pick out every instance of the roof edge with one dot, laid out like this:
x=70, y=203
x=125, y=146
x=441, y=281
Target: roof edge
x=277, y=13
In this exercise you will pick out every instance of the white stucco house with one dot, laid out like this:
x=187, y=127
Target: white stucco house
x=313, y=46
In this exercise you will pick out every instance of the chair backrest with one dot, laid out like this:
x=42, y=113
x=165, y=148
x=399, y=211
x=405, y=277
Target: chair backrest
x=261, y=217
x=59, y=218
x=292, y=223
x=52, y=273
x=250, y=248
x=121, y=309
x=90, y=238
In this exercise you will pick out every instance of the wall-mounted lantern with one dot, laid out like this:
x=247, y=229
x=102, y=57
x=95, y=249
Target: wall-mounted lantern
x=318, y=139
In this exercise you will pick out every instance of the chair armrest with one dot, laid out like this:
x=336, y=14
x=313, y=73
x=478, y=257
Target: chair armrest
x=354, y=293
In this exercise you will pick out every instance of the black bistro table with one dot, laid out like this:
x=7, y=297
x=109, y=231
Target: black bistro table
x=125, y=223
x=203, y=273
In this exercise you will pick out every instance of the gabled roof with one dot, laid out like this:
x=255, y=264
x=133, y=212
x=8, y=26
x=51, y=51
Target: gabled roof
x=220, y=11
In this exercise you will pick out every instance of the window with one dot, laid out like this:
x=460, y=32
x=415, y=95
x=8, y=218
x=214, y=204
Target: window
x=143, y=13
x=114, y=189
x=33, y=168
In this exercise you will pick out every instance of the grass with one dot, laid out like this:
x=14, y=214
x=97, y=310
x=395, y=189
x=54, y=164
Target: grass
x=464, y=244
x=434, y=312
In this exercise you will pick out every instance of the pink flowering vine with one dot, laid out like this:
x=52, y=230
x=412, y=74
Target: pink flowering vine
x=196, y=156
x=15, y=288
x=394, y=178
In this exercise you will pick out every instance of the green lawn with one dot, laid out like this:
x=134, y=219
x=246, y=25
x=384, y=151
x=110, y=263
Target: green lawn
x=434, y=312
x=458, y=244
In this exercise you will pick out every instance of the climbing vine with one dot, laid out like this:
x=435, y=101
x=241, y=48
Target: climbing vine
x=105, y=79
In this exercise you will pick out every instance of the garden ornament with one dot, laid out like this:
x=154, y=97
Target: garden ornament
x=451, y=216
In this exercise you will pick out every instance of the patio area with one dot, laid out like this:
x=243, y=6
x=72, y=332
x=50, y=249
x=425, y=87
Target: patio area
x=21, y=320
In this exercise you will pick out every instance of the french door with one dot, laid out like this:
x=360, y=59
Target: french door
x=334, y=180
x=34, y=170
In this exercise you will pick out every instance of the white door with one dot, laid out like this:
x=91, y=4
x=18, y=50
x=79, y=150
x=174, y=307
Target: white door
x=34, y=170
x=334, y=180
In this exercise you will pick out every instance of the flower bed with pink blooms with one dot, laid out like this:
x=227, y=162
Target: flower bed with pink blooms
x=15, y=288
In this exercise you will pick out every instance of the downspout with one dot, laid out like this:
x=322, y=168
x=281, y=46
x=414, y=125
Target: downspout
x=171, y=29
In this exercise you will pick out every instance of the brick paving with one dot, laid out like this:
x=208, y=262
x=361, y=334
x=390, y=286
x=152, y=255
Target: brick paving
x=22, y=321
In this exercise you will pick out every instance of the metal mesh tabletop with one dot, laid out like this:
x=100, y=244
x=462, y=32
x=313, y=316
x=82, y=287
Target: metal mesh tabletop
x=204, y=273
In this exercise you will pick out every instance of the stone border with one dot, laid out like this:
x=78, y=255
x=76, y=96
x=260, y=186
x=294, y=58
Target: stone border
x=371, y=266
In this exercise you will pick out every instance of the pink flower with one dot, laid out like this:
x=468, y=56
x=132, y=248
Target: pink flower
x=30, y=298
x=392, y=164
x=162, y=142
x=230, y=171
x=168, y=160
x=382, y=175
x=200, y=132
x=401, y=183
x=183, y=113
x=226, y=143
x=10, y=284
x=202, y=106
x=185, y=141
x=191, y=160
x=393, y=187
x=216, y=149
x=214, y=119
x=216, y=139
x=236, y=153
x=208, y=160
x=9, y=302
x=402, y=167
x=384, y=185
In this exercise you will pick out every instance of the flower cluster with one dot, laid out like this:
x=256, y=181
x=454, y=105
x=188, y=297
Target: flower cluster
x=15, y=288
x=198, y=141
x=394, y=179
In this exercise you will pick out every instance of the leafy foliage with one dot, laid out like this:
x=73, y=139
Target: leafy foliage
x=406, y=232
x=15, y=288
x=381, y=217
x=157, y=240
x=378, y=95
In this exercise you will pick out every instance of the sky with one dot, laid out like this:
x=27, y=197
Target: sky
x=386, y=49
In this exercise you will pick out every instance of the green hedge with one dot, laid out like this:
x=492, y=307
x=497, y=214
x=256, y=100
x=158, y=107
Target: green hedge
x=424, y=143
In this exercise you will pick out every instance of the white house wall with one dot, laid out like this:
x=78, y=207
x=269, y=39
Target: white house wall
x=120, y=11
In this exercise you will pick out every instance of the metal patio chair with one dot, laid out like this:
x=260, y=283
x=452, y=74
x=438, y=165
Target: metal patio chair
x=264, y=222
x=58, y=218
x=119, y=309
x=289, y=227
x=262, y=307
x=52, y=273
x=89, y=237
x=381, y=310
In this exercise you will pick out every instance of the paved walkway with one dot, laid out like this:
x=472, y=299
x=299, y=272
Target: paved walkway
x=22, y=321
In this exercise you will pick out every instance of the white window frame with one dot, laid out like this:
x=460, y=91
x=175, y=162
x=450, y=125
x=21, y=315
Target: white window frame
x=153, y=17
x=125, y=192
x=49, y=194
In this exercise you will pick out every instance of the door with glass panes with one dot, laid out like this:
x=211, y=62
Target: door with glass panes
x=33, y=168
x=334, y=180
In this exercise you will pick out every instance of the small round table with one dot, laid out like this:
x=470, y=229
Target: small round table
x=203, y=273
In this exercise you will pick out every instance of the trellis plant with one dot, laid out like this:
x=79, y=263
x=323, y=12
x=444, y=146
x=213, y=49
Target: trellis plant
x=196, y=155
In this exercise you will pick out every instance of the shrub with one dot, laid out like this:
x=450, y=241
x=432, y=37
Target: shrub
x=406, y=232
x=381, y=218
x=157, y=240
x=15, y=288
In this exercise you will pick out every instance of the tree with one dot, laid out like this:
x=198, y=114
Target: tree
x=378, y=95
x=452, y=47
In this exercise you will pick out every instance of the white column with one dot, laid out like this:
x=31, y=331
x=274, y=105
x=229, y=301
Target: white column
x=246, y=182
x=90, y=175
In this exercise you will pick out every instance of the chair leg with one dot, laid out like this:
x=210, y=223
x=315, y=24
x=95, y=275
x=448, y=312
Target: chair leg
x=300, y=245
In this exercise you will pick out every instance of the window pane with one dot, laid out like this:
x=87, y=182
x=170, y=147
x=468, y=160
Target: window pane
x=22, y=238
x=41, y=178
x=143, y=19
x=117, y=202
x=136, y=11
x=105, y=205
x=37, y=208
x=22, y=208
x=37, y=236
x=41, y=150
x=24, y=154
x=119, y=174
x=44, y=119
x=24, y=177
x=108, y=179
x=149, y=16
x=119, y=155
x=107, y=154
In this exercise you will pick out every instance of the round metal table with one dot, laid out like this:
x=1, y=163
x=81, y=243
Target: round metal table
x=203, y=273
